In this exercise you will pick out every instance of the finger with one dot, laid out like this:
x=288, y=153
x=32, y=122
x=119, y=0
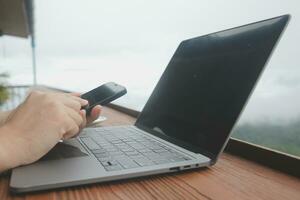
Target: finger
x=83, y=124
x=76, y=116
x=74, y=102
x=83, y=102
x=95, y=113
x=75, y=105
x=76, y=97
x=76, y=94
x=71, y=133
x=83, y=115
x=71, y=127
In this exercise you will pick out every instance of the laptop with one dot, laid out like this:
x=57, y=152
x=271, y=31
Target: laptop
x=185, y=123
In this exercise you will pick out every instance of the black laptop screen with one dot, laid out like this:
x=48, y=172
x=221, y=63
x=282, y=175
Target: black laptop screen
x=206, y=84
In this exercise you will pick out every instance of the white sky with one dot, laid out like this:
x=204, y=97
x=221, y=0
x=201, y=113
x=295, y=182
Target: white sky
x=81, y=44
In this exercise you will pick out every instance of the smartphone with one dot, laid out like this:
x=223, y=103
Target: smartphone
x=103, y=95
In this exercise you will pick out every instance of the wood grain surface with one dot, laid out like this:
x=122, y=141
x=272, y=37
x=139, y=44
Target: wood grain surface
x=231, y=178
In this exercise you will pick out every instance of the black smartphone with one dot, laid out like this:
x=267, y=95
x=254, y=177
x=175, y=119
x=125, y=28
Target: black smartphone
x=103, y=95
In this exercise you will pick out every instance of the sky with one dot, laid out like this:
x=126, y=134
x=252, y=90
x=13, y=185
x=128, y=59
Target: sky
x=82, y=44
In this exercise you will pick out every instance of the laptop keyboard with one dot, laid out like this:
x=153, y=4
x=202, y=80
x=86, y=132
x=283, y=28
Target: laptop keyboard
x=118, y=148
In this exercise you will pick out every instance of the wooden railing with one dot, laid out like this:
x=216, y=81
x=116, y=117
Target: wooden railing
x=17, y=95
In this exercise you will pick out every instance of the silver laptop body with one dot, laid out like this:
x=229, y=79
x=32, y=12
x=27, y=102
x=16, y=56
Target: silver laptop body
x=185, y=124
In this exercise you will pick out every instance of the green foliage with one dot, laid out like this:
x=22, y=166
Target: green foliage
x=4, y=94
x=285, y=137
x=4, y=75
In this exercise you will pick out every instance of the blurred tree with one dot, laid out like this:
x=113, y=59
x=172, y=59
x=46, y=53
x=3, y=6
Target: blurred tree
x=4, y=94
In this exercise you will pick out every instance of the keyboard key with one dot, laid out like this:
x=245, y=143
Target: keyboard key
x=113, y=167
x=120, y=157
x=105, y=163
x=186, y=158
x=90, y=143
x=113, y=162
x=155, y=147
x=117, y=142
x=132, y=153
x=104, y=159
x=127, y=149
x=102, y=155
x=116, y=153
x=118, y=148
x=142, y=161
x=138, y=146
x=111, y=149
x=145, y=150
x=99, y=151
x=152, y=155
x=167, y=154
x=127, y=164
x=161, y=150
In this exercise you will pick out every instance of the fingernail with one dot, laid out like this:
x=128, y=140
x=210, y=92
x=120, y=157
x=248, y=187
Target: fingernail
x=85, y=101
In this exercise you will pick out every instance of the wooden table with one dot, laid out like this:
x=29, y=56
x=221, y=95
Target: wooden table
x=231, y=178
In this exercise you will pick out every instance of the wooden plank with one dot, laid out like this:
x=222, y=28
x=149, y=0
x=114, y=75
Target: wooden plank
x=269, y=157
x=231, y=178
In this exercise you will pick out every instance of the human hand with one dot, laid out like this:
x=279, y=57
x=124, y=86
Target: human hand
x=94, y=114
x=33, y=128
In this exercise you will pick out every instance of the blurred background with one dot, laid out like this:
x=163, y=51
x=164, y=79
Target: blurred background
x=82, y=44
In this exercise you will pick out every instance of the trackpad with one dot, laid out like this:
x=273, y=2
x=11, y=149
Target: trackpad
x=68, y=149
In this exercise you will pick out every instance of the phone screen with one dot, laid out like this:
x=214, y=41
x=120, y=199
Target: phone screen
x=104, y=94
x=98, y=94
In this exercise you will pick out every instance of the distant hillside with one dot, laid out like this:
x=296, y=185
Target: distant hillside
x=285, y=138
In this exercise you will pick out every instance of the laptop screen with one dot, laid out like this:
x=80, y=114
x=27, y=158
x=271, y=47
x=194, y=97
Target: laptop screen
x=203, y=90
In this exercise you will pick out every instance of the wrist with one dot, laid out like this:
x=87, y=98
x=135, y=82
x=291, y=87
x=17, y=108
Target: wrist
x=8, y=149
x=4, y=116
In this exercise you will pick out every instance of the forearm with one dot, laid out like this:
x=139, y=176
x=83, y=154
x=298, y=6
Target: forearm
x=7, y=150
x=5, y=157
x=4, y=165
x=3, y=117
